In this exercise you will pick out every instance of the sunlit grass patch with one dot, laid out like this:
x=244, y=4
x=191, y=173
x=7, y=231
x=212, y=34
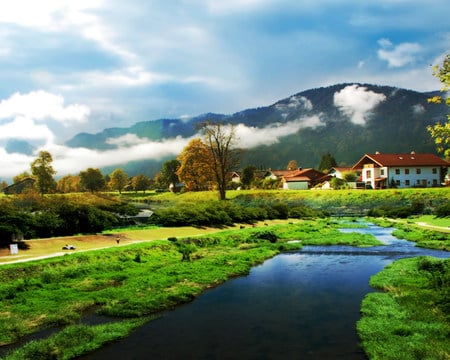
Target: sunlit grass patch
x=411, y=317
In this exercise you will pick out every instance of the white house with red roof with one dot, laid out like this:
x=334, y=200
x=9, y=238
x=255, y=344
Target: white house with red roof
x=404, y=170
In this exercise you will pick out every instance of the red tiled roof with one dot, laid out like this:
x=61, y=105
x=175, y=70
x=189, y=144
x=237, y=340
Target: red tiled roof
x=401, y=160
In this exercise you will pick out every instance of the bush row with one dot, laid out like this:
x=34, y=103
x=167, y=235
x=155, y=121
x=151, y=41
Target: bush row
x=57, y=216
x=226, y=213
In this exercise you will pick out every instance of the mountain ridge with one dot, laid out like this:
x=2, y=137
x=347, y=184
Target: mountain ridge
x=346, y=120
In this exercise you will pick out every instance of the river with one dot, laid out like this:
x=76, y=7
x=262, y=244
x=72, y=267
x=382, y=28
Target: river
x=300, y=305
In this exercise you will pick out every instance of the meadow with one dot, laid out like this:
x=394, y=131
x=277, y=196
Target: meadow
x=134, y=283
x=411, y=316
x=158, y=267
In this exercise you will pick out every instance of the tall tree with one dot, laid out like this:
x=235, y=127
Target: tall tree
x=292, y=165
x=221, y=140
x=92, y=180
x=195, y=170
x=440, y=132
x=118, y=180
x=168, y=174
x=43, y=171
x=140, y=183
x=248, y=175
x=327, y=162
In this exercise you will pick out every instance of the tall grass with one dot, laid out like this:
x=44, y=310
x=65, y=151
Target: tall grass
x=410, y=319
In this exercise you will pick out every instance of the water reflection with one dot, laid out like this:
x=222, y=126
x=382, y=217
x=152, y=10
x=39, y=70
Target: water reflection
x=295, y=306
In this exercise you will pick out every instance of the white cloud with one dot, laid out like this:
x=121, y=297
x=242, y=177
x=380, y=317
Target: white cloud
x=400, y=55
x=356, y=101
x=127, y=140
x=25, y=128
x=250, y=136
x=48, y=15
x=295, y=102
x=418, y=109
x=41, y=105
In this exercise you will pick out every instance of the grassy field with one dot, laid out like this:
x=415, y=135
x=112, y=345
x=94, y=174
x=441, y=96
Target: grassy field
x=136, y=281
x=39, y=248
x=411, y=316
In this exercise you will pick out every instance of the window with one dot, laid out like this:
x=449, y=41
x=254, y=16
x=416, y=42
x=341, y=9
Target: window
x=406, y=171
x=368, y=174
x=397, y=171
x=397, y=182
x=417, y=182
x=407, y=182
x=418, y=171
x=435, y=183
x=434, y=171
x=382, y=172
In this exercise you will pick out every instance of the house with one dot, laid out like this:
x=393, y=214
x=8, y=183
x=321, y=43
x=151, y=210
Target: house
x=401, y=170
x=19, y=186
x=301, y=179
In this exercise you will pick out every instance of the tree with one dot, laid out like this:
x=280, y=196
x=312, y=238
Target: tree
x=168, y=174
x=248, y=175
x=92, y=180
x=140, y=183
x=327, y=162
x=349, y=176
x=118, y=180
x=42, y=170
x=441, y=132
x=21, y=176
x=221, y=140
x=292, y=165
x=195, y=170
x=69, y=184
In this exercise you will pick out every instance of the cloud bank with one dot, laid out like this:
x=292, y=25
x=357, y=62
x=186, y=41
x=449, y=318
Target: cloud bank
x=356, y=102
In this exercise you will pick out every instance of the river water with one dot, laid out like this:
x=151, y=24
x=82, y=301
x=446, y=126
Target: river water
x=301, y=305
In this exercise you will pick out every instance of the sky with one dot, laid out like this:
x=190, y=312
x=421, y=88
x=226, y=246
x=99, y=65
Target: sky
x=71, y=66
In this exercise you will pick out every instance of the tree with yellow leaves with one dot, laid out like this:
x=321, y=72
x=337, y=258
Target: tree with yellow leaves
x=440, y=132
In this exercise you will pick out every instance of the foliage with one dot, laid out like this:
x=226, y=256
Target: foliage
x=140, y=183
x=168, y=174
x=118, y=180
x=248, y=175
x=58, y=216
x=327, y=162
x=92, y=180
x=69, y=184
x=43, y=172
x=411, y=317
x=440, y=132
x=292, y=165
x=195, y=170
x=221, y=140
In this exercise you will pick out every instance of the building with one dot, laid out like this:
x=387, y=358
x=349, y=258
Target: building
x=401, y=170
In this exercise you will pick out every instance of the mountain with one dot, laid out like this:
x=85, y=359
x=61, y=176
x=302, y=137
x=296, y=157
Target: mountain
x=346, y=120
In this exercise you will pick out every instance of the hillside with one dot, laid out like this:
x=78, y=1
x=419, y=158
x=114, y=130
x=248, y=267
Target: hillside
x=346, y=120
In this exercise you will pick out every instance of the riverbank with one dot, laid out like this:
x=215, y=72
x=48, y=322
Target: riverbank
x=136, y=281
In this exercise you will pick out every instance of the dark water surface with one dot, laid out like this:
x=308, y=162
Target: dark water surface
x=301, y=305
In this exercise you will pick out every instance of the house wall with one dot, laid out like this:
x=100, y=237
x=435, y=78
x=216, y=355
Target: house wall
x=404, y=177
x=295, y=185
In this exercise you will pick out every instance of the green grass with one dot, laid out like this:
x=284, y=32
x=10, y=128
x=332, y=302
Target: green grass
x=138, y=280
x=412, y=316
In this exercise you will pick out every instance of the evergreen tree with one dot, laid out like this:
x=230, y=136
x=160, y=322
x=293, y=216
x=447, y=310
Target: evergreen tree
x=327, y=162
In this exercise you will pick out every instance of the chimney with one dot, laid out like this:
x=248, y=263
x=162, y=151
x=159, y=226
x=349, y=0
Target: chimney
x=413, y=152
x=377, y=152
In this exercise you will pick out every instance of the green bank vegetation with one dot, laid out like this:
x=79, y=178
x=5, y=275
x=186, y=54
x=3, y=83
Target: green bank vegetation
x=410, y=319
x=132, y=283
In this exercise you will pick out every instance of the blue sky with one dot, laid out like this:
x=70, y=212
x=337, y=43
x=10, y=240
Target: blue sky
x=69, y=66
